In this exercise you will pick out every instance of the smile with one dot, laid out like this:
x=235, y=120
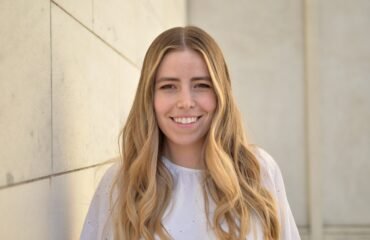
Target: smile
x=185, y=120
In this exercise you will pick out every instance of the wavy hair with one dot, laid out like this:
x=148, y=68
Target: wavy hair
x=232, y=175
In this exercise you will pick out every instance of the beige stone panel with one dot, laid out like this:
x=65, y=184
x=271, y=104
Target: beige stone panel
x=347, y=236
x=129, y=26
x=71, y=197
x=263, y=46
x=345, y=112
x=347, y=232
x=93, y=90
x=148, y=29
x=25, y=99
x=25, y=211
x=81, y=10
x=304, y=234
x=171, y=13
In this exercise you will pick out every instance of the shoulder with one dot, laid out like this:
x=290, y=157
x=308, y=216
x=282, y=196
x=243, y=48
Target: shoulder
x=97, y=218
x=270, y=171
x=272, y=180
x=109, y=175
x=267, y=163
x=106, y=181
x=103, y=190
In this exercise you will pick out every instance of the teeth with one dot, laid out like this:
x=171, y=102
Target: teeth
x=185, y=120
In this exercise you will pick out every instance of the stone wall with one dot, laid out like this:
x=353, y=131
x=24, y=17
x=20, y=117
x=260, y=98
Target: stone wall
x=68, y=74
x=300, y=72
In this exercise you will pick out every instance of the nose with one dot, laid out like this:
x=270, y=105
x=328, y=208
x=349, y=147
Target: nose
x=185, y=99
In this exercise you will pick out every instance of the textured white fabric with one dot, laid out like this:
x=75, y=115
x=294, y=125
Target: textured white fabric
x=185, y=217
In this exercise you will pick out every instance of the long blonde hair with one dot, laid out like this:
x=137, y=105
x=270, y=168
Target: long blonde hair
x=232, y=177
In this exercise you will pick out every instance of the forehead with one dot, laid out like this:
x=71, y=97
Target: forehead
x=183, y=62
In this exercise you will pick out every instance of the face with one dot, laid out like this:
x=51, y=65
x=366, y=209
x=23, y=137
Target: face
x=184, y=99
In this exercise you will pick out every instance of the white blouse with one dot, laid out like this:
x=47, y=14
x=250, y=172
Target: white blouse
x=185, y=217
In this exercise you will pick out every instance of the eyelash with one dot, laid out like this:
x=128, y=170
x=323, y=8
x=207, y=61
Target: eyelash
x=167, y=86
x=203, y=85
x=198, y=85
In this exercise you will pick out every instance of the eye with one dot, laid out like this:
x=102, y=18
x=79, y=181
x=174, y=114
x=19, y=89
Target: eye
x=202, y=85
x=167, y=86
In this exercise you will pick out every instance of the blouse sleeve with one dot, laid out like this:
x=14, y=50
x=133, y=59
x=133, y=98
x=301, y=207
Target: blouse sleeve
x=97, y=225
x=273, y=181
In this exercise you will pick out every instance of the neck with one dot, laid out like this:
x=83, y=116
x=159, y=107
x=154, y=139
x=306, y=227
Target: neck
x=189, y=156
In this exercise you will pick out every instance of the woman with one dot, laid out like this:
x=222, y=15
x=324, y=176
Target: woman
x=187, y=170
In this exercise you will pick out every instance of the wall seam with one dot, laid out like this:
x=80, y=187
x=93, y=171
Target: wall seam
x=51, y=93
x=92, y=15
x=97, y=36
x=312, y=125
x=57, y=174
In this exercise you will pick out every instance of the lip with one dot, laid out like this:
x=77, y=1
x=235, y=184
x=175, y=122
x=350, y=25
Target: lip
x=186, y=116
x=187, y=125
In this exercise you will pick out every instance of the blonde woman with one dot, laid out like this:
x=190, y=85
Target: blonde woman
x=187, y=170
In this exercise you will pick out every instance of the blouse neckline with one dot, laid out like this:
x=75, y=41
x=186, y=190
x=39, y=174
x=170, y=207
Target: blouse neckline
x=180, y=169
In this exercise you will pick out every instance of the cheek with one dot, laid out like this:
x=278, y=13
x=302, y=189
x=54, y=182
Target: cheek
x=210, y=102
x=160, y=105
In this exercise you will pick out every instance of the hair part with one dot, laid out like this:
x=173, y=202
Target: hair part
x=232, y=177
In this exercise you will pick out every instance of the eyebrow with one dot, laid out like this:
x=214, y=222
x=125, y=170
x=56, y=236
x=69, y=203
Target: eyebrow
x=177, y=79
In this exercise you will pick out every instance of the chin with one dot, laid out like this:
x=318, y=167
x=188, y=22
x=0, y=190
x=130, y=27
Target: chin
x=183, y=141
